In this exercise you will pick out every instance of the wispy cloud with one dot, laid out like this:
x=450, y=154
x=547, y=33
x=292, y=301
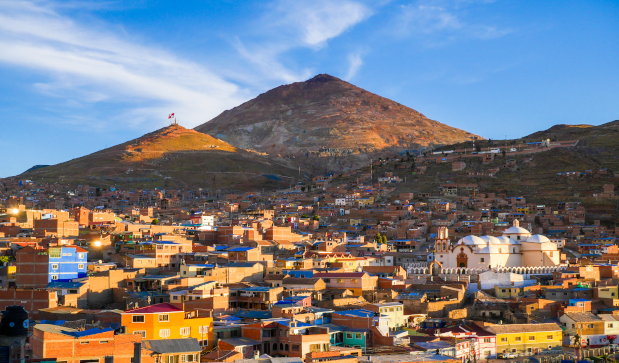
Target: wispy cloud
x=317, y=21
x=444, y=21
x=87, y=65
x=355, y=61
x=297, y=24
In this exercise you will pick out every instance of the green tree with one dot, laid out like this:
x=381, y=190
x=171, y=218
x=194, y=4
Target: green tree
x=478, y=148
x=316, y=218
x=377, y=238
x=154, y=221
x=5, y=259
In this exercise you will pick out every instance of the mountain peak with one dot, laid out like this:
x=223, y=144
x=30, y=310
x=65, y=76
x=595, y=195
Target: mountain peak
x=323, y=77
x=327, y=116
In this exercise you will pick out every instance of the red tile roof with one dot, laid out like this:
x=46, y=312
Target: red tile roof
x=153, y=309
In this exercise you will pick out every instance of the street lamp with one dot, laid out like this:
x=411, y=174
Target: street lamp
x=97, y=243
x=15, y=211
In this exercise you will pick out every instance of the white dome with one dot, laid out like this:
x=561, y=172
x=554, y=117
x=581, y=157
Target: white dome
x=491, y=240
x=506, y=240
x=516, y=230
x=472, y=241
x=538, y=238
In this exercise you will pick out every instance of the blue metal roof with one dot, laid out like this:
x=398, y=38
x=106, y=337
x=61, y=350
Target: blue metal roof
x=88, y=332
x=240, y=249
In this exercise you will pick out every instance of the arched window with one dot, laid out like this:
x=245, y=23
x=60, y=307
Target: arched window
x=281, y=346
x=286, y=347
x=274, y=346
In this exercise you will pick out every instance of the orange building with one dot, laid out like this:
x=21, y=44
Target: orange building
x=166, y=321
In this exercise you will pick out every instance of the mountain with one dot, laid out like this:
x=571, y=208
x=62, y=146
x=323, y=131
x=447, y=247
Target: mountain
x=328, y=117
x=598, y=143
x=172, y=157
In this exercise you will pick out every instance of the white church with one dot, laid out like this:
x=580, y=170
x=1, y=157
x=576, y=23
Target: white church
x=517, y=247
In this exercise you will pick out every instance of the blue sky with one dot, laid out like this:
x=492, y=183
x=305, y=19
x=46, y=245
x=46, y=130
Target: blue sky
x=79, y=76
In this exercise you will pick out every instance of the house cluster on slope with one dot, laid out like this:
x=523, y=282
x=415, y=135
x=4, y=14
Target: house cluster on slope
x=346, y=273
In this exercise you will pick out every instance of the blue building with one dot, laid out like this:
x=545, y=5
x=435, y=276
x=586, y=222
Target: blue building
x=67, y=263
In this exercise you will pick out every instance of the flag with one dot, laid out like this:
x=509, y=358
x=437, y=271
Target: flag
x=171, y=115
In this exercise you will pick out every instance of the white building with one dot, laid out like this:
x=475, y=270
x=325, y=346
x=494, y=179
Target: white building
x=516, y=247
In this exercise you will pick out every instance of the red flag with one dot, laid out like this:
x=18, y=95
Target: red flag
x=172, y=114
x=169, y=116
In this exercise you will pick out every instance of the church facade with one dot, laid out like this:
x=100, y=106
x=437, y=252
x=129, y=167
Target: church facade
x=516, y=247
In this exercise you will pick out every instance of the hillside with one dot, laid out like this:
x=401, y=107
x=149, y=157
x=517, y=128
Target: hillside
x=172, y=157
x=329, y=118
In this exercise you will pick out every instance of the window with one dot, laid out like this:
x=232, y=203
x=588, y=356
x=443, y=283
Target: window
x=84, y=342
x=481, y=259
x=185, y=331
x=550, y=337
x=203, y=329
x=164, y=317
x=610, y=325
x=314, y=348
x=590, y=326
x=80, y=266
x=354, y=281
x=295, y=347
x=487, y=340
x=80, y=256
x=55, y=266
x=164, y=333
x=189, y=357
x=348, y=335
x=138, y=318
x=54, y=277
x=513, y=350
x=518, y=339
x=503, y=339
x=550, y=347
x=502, y=290
x=340, y=281
x=531, y=337
x=140, y=332
x=358, y=336
x=103, y=341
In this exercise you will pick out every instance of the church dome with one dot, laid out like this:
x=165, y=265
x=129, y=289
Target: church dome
x=472, y=241
x=516, y=230
x=491, y=240
x=506, y=240
x=537, y=238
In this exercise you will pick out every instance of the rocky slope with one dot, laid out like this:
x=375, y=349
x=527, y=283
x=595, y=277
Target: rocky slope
x=328, y=117
x=172, y=157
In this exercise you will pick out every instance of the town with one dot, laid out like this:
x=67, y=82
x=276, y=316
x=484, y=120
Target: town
x=349, y=272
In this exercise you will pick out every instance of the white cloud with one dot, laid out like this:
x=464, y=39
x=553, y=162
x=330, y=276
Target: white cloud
x=317, y=21
x=292, y=25
x=445, y=20
x=354, y=64
x=91, y=66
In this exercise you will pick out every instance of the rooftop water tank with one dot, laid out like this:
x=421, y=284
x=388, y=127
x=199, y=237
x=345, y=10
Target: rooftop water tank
x=14, y=321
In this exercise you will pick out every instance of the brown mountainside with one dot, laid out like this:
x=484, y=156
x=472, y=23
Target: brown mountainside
x=326, y=116
x=172, y=157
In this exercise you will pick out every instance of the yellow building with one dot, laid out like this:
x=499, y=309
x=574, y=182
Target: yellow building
x=506, y=292
x=527, y=338
x=166, y=321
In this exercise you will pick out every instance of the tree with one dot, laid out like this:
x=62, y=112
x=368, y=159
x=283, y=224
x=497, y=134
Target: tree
x=154, y=221
x=316, y=217
x=377, y=238
x=478, y=148
x=5, y=259
x=504, y=152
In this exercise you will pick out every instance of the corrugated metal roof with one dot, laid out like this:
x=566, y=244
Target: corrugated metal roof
x=163, y=346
